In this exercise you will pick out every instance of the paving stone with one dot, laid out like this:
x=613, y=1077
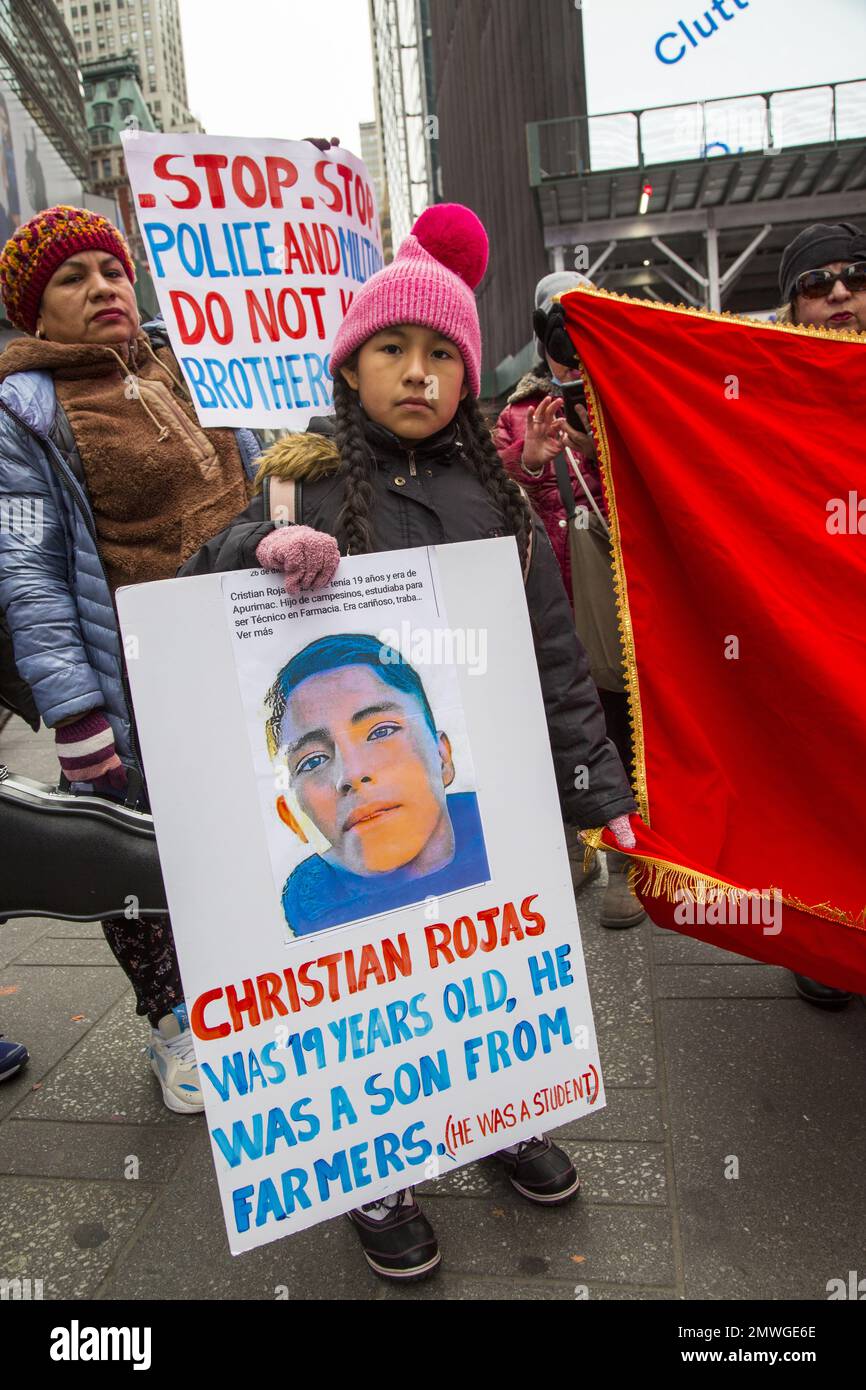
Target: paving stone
x=52, y=949
x=324, y=1262
x=617, y=968
x=17, y=934
x=744, y=981
x=64, y=1149
x=42, y=1015
x=670, y=948
x=107, y=1076
x=632, y=1173
x=786, y=1102
x=66, y=1233
x=445, y=1286
x=628, y=1055
x=630, y=1113
x=29, y=754
x=627, y=1173
x=513, y=1239
x=84, y=931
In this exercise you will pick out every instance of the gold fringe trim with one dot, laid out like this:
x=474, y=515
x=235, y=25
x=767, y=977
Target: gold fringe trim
x=620, y=587
x=675, y=883
x=721, y=316
x=657, y=876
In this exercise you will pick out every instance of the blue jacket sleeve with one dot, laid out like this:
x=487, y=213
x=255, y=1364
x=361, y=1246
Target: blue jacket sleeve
x=35, y=588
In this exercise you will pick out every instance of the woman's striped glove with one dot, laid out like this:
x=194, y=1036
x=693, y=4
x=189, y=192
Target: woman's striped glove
x=87, y=753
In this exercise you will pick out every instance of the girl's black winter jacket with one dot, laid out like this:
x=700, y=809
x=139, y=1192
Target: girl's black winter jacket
x=428, y=496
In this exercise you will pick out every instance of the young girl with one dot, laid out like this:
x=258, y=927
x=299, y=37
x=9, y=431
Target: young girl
x=408, y=460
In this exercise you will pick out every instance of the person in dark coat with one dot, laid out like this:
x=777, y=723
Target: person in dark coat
x=530, y=434
x=531, y=431
x=822, y=279
x=411, y=463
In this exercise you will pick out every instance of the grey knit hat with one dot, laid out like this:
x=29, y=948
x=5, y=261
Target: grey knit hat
x=558, y=282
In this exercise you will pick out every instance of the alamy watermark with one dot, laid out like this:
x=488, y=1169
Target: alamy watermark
x=22, y=516
x=441, y=646
x=730, y=907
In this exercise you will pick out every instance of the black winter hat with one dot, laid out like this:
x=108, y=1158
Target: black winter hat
x=817, y=246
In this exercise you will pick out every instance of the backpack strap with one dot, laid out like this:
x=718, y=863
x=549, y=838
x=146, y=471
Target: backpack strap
x=280, y=500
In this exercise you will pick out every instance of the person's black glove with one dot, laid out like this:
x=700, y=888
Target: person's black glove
x=552, y=333
x=320, y=142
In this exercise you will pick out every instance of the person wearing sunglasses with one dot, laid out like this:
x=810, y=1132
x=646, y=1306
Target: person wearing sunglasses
x=822, y=276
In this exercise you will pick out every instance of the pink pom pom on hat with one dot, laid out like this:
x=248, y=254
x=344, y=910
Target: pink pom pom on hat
x=431, y=282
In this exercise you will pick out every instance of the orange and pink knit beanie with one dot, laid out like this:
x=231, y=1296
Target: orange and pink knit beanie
x=33, y=253
x=431, y=282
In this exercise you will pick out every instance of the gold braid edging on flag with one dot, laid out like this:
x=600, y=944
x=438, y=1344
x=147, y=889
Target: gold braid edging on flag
x=657, y=877
x=676, y=883
x=623, y=615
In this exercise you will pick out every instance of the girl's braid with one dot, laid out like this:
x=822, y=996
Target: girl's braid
x=354, y=534
x=480, y=454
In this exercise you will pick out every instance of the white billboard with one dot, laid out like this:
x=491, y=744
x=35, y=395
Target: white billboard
x=650, y=53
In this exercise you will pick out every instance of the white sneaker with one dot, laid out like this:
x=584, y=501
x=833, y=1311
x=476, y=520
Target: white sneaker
x=173, y=1060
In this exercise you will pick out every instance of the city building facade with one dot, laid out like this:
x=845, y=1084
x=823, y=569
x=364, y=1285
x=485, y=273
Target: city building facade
x=401, y=33
x=43, y=130
x=371, y=153
x=497, y=65
x=149, y=30
x=115, y=102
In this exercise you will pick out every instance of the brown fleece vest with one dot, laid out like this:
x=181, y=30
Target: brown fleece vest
x=160, y=485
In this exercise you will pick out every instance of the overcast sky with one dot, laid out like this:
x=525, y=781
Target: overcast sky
x=281, y=68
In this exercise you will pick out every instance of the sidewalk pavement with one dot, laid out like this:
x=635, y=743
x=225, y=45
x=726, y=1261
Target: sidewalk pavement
x=712, y=1066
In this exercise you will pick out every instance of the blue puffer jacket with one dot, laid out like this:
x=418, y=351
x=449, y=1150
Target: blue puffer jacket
x=53, y=587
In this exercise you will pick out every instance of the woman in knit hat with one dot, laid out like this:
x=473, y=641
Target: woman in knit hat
x=408, y=460
x=822, y=277
x=98, y=432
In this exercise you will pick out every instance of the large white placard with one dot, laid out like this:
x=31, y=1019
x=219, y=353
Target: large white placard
x=256, y=249
x=344, y=1059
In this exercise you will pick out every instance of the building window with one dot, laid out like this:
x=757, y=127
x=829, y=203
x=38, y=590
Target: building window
x=88, y=91
x=112, y=87
x=102, y=113
x=125, y=108
x=106, y=168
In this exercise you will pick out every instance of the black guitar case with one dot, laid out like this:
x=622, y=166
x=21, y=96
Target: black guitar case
x=79, y=858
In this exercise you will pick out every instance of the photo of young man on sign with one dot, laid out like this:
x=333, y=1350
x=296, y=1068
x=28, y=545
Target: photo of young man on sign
x=368, y=769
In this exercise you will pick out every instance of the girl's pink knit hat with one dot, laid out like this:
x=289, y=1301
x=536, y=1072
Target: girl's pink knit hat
x=430, y=282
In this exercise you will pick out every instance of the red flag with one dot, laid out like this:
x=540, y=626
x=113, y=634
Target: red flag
x=734, y=459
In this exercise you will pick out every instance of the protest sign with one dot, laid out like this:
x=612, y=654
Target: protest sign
x=256, y=249
x=365, y=863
